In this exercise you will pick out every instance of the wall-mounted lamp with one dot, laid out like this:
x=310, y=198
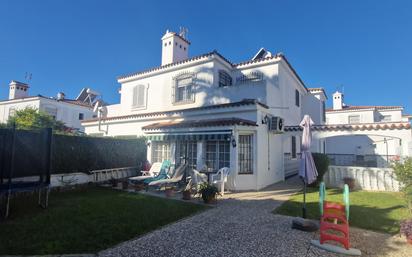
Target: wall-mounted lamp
x=233, y=141
x=148, y=143
x=265, y=119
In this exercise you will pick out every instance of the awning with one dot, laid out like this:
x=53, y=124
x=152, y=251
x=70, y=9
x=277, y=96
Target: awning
x=224, y=135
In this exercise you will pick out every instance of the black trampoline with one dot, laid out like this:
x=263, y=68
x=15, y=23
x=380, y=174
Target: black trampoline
x=25, y=163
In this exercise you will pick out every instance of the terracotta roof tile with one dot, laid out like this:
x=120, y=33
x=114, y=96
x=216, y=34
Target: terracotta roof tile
x=355, y=127
x=353, y=107
x=200, y=123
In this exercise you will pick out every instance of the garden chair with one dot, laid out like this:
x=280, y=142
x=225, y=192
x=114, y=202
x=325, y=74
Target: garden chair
x=154, y=170
x=176, y=178
x=196, y=179
x=163, y=174
x=220, y=178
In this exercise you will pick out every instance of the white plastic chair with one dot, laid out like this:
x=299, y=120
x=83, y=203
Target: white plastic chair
x=220, y=178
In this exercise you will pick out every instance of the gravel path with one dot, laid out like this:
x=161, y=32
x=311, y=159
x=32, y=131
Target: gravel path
x=242, y=224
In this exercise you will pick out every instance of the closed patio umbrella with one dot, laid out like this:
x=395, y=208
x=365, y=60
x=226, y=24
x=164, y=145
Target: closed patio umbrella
x=307, y=169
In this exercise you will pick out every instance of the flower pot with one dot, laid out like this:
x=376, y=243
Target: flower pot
x=209, y=199
x=409, y=240
x=169, y=192
x=350, y=182
x=187, y=195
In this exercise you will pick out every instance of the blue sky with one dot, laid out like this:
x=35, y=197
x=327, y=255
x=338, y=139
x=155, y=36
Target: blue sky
x=363, y=46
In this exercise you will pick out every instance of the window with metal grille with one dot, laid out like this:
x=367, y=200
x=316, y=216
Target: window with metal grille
x=297, y=98
x=293, y=150
x=224, y=79
x=217, y=155
x=245, y=157
x=139, y=96
x=183, y=91
x=160, y=151
x=354, y=119
x=52, y=111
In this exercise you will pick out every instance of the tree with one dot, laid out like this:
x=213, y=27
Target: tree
x=403, y=173
x=31, y=118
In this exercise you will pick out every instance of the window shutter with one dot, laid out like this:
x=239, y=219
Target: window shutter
x=134, y=103
x=140, y=95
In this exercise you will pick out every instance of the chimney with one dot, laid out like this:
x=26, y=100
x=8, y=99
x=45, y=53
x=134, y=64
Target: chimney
x=338, y=100
x=18, y=90
x=175, y=47
x=60, y=96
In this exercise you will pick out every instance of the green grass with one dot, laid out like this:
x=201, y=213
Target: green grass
x=85, y=221
x=378, y=211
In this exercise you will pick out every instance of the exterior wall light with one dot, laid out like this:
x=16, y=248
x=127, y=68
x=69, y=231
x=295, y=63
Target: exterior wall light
x=233, y=141
x=148, y=143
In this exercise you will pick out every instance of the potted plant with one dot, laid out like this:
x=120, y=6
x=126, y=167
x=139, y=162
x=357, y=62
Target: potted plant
x=208, y=192
x=350, y=182
x=406, y=229
x=169, y=191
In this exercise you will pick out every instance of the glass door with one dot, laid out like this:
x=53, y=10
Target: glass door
x=186, y=152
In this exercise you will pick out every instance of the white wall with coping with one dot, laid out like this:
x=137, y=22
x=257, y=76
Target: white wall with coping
x=372, y=179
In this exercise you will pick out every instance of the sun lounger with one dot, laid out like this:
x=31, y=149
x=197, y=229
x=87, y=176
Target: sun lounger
x=154, y=170
x=177, y=177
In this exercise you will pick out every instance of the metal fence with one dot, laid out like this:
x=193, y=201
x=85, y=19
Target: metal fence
x=377, y=161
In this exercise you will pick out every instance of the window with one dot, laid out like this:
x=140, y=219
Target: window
x=323, y=111
x=245, y=157
x=12, y=111
x=386, y=118
x=138, y=96
x=224, y=79
x=81, y=116
x=183, y=91
x=160, y=151
x=52, y=111
x=297, y=98
x=354, y=119
x=217, y=154
x=293, y=150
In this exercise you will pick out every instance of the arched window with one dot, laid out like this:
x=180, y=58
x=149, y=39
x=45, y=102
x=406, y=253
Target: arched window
x=183, y=90
x=224, y=79
x=139, y=96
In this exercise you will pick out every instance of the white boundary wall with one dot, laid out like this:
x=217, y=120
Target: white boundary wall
x=372, y=179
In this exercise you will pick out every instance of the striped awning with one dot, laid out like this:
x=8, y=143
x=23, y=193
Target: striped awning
x=189, y=136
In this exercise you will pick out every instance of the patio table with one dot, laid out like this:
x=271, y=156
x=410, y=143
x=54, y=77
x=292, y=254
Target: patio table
x=208, y=174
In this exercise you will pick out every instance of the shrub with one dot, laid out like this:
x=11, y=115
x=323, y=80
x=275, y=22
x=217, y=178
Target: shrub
x=322, y=165
x=403, y=173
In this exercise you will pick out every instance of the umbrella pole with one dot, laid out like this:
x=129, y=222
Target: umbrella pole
x=304, y=200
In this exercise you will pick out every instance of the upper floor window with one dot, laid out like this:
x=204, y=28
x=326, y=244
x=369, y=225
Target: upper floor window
x=323, y=111
x=52, y=111
x=183, y=89
x=386, y=118
x=12, y=111
x=354, y=119
x=224, y=79
x=297, y=98
x=139, y=96
x=81, y=116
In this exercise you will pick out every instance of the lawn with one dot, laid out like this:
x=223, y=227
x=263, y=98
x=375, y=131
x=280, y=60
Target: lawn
x=85, y=221
x=378, y=211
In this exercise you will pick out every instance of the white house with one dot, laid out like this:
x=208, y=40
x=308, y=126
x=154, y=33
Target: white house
x=71, y=112
x=377, y=133
x=213, y=113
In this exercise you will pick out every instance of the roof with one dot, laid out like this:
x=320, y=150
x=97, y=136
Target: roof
x=317, y=89
x=210, y=54
x=353, y=107
x=216, y=106
x=200, y=123
x=355, y=127
x=68, y=101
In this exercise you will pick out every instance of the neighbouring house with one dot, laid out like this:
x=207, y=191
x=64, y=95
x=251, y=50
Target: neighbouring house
x=212, y=113
x=377, y=135
x=69, y=111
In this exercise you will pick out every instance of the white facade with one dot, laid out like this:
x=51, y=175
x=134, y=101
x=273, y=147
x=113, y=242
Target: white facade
x=217, y=110
x=70, y=112
x=392, y=141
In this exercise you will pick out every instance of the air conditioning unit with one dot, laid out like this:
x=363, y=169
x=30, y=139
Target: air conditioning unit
x=276, y=124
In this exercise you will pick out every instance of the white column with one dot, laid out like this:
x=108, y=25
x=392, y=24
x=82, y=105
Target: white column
x=200, y=155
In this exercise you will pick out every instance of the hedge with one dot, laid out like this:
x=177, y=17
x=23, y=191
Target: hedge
x=322, y=165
